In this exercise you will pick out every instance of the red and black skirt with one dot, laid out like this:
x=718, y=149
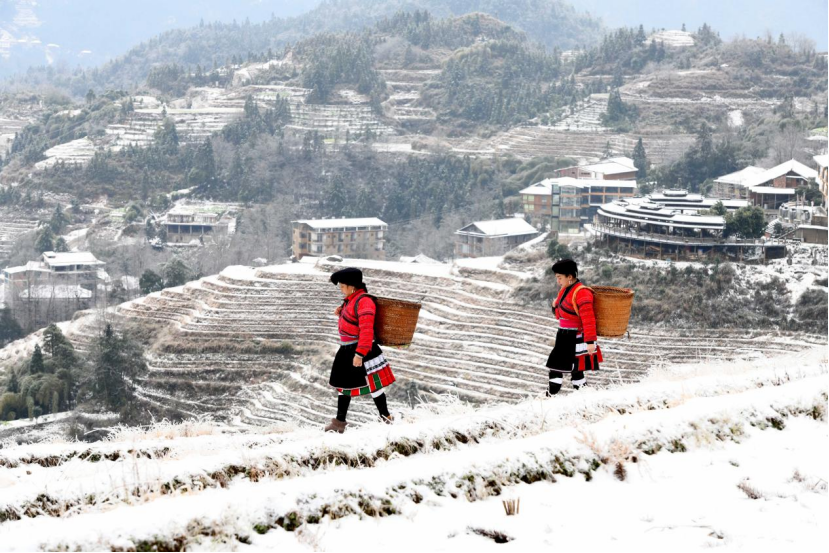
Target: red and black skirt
x=373, y=375
x=570, y=353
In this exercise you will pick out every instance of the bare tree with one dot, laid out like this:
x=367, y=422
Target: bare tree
x=787, y=143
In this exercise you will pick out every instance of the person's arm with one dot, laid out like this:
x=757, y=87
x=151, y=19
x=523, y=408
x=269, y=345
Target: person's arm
x=588, y=318
x=366, y=311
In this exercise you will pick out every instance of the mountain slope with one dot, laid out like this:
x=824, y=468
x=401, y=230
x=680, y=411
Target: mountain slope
x=550, y=22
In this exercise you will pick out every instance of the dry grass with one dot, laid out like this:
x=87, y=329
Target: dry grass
x=512, y=506
x=750, y=491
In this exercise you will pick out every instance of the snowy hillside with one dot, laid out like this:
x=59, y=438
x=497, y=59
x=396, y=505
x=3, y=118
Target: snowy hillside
x=693, y=456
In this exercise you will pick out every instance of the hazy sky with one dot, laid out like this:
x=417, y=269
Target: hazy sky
x=90, y=32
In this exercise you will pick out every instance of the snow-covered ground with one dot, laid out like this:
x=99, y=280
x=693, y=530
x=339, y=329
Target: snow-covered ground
x=695, y=456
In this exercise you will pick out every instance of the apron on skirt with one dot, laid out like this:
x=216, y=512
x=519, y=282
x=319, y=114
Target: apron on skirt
x=570, y=353
x=373, y=375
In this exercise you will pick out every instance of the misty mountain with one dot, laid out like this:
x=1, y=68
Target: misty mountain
x=552, y=23
x=91, y=32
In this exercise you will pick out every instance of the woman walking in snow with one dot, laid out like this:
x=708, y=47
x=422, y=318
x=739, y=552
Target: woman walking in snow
x=359, y=368
x=575, y=350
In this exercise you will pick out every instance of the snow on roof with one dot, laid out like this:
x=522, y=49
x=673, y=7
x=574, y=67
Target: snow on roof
x=512, y=226
x=419, y=258
x=791, y=166
x=611, y=166
x=822, y=160
x=70, y=258
x=739, y=177
x=338, y=223
x=57, y=291
x=545, y=187
x=772, y=190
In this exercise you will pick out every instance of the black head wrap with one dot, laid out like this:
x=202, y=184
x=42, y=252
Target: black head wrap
x=566, y=267
x=350, y=276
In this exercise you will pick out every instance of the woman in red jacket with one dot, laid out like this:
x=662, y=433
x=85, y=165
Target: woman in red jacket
x=359, y=368
x=575, y=350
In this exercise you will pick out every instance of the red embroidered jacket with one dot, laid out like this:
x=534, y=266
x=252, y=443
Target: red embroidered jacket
x=566, y=314
x=360, y=331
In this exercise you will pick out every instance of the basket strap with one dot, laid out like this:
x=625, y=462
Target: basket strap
x=357, y=303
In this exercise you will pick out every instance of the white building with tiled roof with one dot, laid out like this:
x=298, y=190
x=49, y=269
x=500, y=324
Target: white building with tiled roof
x=54, y=288
x=732, y=185
x=492, y=238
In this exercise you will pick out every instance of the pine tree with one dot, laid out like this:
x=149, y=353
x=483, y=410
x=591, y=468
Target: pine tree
x=36, y=365
x=45, y=240
x=150, y=281
x=9, y=328
x=117, y=361
x=640, y=160
x=13, y=384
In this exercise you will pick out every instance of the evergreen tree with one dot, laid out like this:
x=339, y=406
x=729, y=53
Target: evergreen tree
x=640, y=160
x=9, y=328
x=59, y=220
x=166, y=137
x=116, y=362
x=149, y=282
x=13, y=384
x=175, y=273
x=61, y=245
x=36, y=365
x=45, y=241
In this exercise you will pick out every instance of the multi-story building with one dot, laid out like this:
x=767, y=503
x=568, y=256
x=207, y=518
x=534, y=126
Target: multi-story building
x=567, y=203
x=769, y=188
x=193, y=224
x=363, y=238
x=640, y=226
x=492, y=238
x=732, y=185
x=684, y=202
x=52, y=289
x=614, y=168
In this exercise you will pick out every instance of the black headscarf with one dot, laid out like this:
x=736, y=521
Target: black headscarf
x=566, y=267
x=350, y=276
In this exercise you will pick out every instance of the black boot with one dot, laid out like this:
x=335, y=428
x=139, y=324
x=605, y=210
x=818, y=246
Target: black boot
x=556, y=379
x=343, y=401
x=383, y=408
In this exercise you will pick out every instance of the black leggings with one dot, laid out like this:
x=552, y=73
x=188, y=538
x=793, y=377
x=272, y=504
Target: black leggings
x=343, y=401
x=557, y=378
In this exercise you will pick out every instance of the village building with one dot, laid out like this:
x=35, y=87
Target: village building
x=54, y=288
x=640, y=226
x=732, y=185
x=812, y=234
x=492, y=238
x=614, y=168
x=363, y=238
x=568, y=203
x=822, y=162
x=769, y=188
x=686, y=202
x=192, y=225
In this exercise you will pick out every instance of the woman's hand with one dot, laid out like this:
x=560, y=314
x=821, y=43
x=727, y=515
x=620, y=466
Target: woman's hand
x=358, y=361
x=591, y=348
x=338, y=310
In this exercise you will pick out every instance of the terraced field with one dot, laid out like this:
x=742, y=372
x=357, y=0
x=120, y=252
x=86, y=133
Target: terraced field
x=11, y=227
x=535, y=141
x=225, y=354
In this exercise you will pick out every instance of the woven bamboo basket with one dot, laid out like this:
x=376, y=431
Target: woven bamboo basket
x=395, y=322
x=612, y=308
